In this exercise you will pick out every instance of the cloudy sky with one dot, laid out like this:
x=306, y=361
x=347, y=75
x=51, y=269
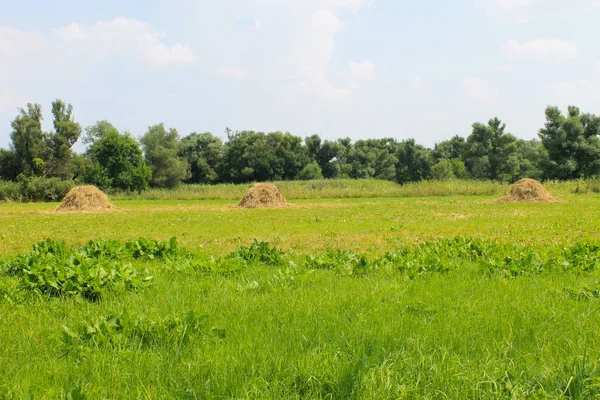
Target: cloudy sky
x=357, y=68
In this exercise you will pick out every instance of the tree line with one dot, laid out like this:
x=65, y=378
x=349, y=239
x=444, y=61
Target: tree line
x=568, y=148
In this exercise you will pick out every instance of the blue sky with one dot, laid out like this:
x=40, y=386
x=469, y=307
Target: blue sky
x=357, y=68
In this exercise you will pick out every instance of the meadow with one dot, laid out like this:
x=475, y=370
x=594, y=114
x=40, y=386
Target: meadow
x=362, y=290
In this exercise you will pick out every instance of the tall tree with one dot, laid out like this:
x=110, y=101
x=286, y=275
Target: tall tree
x=374, y=158
x=118, y=162
x=330, y=156
x=28, y=141
x=572, y=143
x=488, y=150
x=161, y=148
x=449, y=149
x=9, y=165
x=414, y=162
x=97, y=131
x=204, y=152
x=256, y=156
x=313, y=145
x=61, y=141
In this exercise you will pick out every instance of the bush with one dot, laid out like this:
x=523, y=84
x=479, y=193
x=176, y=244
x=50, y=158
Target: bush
x=311, y=171
x=45, y=189
x=35, y=189
x=442, y=171
x=10, y=191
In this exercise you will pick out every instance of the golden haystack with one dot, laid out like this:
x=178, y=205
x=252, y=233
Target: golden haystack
x=85, y=198
x=527, y=190
x=262, y=195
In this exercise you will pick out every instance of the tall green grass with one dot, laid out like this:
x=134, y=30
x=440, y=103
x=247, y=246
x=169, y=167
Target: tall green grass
x=324, y=326
x=352, y=188
x=317, y=189
x=336, y=188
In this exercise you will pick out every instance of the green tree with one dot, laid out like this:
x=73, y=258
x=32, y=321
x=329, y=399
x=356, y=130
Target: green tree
x=256, y=156
x=161, y=148
x=373, y=158
x=572, y=144
x=117, y=160
x=414, y=162
x=9, y=165
x=488, y=151
x=443, y=171
x=330, y=156
x=311, y=171
x=446, y=169
x=28, y=141
x=204, y=152
x=527, y=160
x=96, y=132
x=60, y=142
x=313, y=145
x=449, y=149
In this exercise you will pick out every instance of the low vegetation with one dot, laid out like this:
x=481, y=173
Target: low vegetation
x=463, y=317
x=414, y=297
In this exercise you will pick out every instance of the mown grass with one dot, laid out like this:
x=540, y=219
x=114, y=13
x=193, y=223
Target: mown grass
x=368, y=225
x=300, y=329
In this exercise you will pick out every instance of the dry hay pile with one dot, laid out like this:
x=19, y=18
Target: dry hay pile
x=85, y=198
x=262, y=195
x=528, y=190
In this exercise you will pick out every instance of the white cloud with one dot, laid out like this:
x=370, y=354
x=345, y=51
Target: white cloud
x=511, y=5
x=510, y=10
x=351, y=5
x=522, y=11
x=503, y=68
x=480, y=89
x=542, y=48
x=233, y=73
x=15, y=43
x=123, y=36
x=364, y=70
x=313, y=49
x=417, y=83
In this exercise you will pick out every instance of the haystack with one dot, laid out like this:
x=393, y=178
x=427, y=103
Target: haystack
x=262, y=195
x=85, y=198
x=527, y=190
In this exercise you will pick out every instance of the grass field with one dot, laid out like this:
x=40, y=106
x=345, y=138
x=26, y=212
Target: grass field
x=361, y=188
x=369, y=298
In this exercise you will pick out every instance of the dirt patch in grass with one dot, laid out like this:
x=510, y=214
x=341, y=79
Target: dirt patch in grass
x=85, y=198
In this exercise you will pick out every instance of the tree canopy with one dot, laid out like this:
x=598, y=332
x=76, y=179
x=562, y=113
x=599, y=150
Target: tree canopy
x=568, y=148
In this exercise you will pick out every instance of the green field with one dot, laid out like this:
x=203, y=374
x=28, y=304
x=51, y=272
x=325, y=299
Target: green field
x=378, y=297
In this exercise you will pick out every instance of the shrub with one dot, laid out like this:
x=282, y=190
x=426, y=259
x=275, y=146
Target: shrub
x=311, y=171
x=45, y=189
x=35, y=189
x=10, y=191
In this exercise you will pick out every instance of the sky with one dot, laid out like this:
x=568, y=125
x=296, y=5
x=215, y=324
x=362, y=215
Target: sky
x=338, y=68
